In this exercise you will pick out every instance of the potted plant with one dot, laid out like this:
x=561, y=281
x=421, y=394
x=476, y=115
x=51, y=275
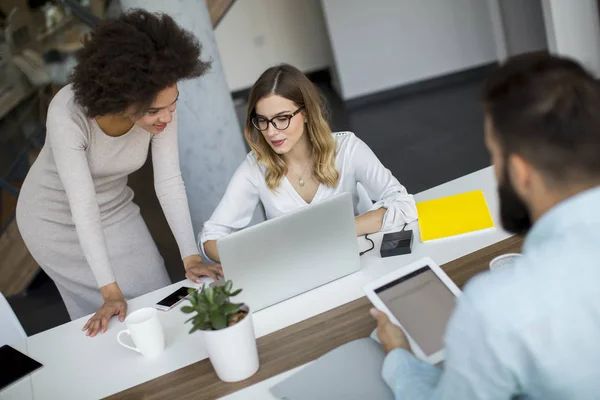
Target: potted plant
x=227, y=329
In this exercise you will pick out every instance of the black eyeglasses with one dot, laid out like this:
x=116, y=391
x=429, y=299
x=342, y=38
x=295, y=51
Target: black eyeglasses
x=279, y=122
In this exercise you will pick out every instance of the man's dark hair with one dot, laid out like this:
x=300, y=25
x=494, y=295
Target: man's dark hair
x=127, y=61
x=547, y=110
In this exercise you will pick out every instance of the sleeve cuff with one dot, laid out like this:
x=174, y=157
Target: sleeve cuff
x=202, y=238
x=390, y=221
x=104, y=278
x=190, y=250
x=404, y=373
x=399, y=212
x=394, y=365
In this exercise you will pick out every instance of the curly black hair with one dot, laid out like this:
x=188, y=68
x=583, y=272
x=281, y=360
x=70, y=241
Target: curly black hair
x=127, y=61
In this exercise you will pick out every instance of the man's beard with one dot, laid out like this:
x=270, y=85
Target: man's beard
x=514, y=214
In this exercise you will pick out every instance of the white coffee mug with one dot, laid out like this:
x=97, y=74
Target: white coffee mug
x=504, y=260
x=146, y=332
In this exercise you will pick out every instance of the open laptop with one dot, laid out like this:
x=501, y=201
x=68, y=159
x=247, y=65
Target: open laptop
x=292, y=254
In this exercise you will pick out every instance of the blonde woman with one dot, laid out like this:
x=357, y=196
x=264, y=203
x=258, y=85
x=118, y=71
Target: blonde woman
x=296, y=160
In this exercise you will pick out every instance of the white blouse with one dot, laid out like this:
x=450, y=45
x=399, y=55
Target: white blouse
x=355, y=162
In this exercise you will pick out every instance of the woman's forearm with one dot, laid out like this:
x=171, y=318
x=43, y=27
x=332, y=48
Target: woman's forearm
x=370, y=222
x=210, y=247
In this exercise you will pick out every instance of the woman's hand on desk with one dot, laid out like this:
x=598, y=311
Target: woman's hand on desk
x=195, y=268
x=114, y=304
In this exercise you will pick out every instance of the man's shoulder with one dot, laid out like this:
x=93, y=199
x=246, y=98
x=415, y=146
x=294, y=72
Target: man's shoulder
x=498, y=294
x=515, y=294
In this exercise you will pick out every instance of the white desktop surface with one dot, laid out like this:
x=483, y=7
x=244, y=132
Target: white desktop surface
x=79, y=367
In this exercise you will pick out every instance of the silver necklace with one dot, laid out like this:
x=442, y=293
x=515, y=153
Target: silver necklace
x=300, y=180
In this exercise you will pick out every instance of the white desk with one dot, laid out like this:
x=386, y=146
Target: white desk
x=79, y=367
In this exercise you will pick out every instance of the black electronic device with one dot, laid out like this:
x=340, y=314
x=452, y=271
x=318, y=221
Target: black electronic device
x=15, y=365
x=396, y=243
x=173, y=299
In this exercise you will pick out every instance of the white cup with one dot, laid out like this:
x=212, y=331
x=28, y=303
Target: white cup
x=146, y=332
x=504, y=260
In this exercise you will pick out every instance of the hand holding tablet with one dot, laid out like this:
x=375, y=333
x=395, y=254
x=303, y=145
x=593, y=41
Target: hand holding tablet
x=419, y=298
x=388, y=335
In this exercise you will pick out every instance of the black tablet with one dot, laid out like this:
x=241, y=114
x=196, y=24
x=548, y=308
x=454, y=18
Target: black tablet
x=14, y=365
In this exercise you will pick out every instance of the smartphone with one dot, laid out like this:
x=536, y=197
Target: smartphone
x=173, y=299
x=15, y=365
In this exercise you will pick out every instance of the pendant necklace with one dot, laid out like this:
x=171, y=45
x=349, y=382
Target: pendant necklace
x=300, y=180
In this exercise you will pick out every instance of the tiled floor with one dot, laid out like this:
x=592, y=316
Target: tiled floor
x=425, y=139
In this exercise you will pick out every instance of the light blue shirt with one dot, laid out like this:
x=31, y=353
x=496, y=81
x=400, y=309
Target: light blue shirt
x=530, y=330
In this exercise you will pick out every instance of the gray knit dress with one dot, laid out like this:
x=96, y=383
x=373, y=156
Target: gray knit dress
x=76, y=213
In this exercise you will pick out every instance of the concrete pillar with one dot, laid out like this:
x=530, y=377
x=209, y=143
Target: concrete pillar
x=573, y=30
x=211, y=144
x=518, y=27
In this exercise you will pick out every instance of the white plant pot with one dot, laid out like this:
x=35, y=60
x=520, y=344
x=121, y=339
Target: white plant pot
x=232, y=351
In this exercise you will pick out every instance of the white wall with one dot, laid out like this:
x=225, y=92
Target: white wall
x=257, y=34
x=573, y=30
x=381, y=44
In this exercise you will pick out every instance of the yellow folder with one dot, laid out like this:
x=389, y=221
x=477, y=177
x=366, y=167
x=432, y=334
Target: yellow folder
x=453, y=215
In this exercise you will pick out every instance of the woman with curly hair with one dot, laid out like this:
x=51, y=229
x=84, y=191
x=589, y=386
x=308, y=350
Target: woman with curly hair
x=76, y=212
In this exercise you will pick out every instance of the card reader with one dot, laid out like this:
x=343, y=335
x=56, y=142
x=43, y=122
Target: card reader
x=396, y=243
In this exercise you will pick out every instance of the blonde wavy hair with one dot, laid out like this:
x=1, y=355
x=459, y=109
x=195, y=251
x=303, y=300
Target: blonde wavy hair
x=289, y=82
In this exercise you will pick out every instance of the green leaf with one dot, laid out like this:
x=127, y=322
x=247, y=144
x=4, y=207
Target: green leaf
x=206, y=327
x=194, y=328
x=220, y=299
x=201, y=307
x=209, y=294
x=189, y=320
x=192, y=298
x=218, y=320
x=229, y=309
x=235, y=293
x=206, y=320
x=228, y=286
x=201, y=317
x=187, y=309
